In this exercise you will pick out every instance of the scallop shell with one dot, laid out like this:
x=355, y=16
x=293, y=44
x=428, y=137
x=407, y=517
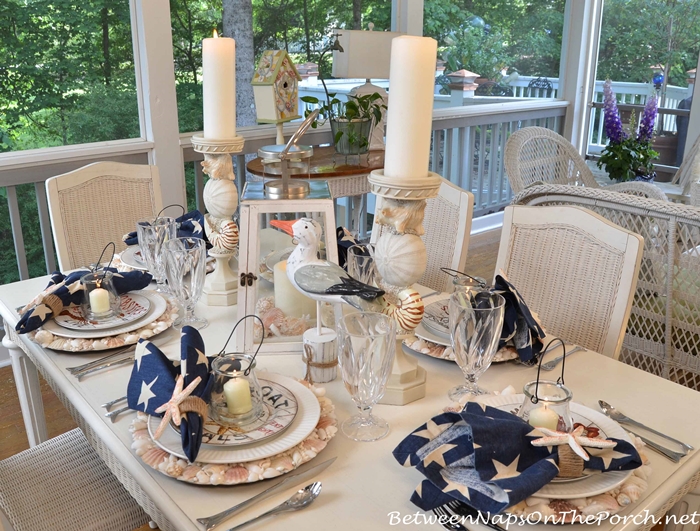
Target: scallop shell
x=221, y=198
x=603, y=503
x=190, y=472
x=401, y=259
x=154, y=457
x=235, y=474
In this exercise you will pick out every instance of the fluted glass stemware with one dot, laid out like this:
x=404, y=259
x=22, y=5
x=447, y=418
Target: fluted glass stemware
x=186, y=260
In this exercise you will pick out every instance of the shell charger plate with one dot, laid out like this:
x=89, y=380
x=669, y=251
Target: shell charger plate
x=280, y=407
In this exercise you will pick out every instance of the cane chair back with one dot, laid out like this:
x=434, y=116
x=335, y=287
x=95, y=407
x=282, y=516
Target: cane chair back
x=98, y=204
x=575, y=269
x=447, y=223
x=538, y=155
x=63, y=485
x=663, y=334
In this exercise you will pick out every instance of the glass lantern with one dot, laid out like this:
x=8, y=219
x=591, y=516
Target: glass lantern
x=546, y=405
x=100, y=298
x=236, y=398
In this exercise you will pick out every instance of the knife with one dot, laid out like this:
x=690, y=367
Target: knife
x=293, y=478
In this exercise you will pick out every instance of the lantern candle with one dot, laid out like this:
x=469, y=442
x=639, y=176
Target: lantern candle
x=543, y=417
x=219, y=87
x=237, y=393
x=99, y=301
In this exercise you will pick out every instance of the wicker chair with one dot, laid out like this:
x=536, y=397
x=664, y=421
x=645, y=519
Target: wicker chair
x=679, y=189
x=663, y=334
x=535, y=155
x=98, y=204
x=447, y=223
x=63, y=485
x=575, y=269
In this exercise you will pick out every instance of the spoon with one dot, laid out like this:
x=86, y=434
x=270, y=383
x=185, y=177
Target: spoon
x=620, y=417
x=301, y=499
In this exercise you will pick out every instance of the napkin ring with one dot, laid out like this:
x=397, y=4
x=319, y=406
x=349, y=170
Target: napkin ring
x=54, y=303
x=194, y=404
x=570, y=464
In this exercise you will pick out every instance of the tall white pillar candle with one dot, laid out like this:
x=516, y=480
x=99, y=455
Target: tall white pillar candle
x=410, y=114
x=219, y=87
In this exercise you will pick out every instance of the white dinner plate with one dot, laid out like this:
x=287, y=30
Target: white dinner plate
x=131, y=256
x=132, y=307
x=304, y=423
x=422, y=332
x=584, y=487
x=436, y=318
x=155, y=310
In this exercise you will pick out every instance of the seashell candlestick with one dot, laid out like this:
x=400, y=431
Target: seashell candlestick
x=221, y=202
x=401, y=260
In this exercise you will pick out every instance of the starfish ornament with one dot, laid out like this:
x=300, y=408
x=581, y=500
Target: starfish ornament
x=172, y=407
x=575, y=440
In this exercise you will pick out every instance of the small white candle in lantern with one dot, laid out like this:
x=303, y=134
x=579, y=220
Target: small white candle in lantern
x=99, y=301
x=237, y=393
x=543, y=417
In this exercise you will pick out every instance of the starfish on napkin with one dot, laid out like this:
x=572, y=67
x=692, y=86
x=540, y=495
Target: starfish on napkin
x=575, y=440
x=172, y=407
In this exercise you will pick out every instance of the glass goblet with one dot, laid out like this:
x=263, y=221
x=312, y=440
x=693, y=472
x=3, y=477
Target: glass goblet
x=186, y=260
x=476, y=322
x=152, y=235
x=361, y=265
x=366, y=347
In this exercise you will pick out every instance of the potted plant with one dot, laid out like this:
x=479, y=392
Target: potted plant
x=351, y=121
x=629, y=154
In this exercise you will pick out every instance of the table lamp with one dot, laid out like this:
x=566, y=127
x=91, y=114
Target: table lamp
x=365, y=54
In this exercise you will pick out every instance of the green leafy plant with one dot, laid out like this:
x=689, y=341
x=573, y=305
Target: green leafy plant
x=363, y=108
x=478, y=51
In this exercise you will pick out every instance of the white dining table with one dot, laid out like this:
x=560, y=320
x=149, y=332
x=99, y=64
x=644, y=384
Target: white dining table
x=366, y=488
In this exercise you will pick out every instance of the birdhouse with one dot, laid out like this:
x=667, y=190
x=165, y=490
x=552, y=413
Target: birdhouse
x=276, y=88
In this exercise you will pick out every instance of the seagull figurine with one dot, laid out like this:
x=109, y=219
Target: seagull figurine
x=318, y=279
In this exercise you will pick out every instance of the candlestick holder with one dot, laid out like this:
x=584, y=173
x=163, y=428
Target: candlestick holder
x=221, y=202
x=401, y=260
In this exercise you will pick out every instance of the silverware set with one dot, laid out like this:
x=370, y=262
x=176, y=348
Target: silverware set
x=623, y=419
x=112, y=360
x=455, y=512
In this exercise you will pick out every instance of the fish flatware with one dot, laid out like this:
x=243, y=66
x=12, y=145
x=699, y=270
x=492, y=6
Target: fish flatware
x=620, y=417
x=446, y=520
x=293, y=478
x=107, y=365
x=95, y=363
x=300, y=500
x=112, y=415
x=673, y=456
x=108, y=405
x=550, y=365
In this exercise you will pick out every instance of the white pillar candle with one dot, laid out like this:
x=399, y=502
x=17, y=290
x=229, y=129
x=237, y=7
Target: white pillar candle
x=219, y=87
x=237, y=393
x=410, y=114
x=99, y=301
x=288, y=298
x=543, y=417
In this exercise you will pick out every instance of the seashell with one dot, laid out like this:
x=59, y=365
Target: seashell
x=541, y=508
x=297, y=458
x=325, y=421
x=222, y=233
x=631, y=490
x=401, y=259
x=190, y=472
x=216, y=473
x=146, y=333
x=202, y=478
x=271, y=473
x=603, y=503
x=282, y=463
x=566, y=510
x=408, y=311
x=535, y=501
x=293, y=326
x=405, y=216
x=154, y=456
x=314, y=444
x=138, y=425
x=220, y=198
x=141, y=446
x=56, y=344
x=175, y=466
x=578, y=502
x=264, y=304
x=43, y=336
x=235, y=474
x=643, y=472
x=272, y=316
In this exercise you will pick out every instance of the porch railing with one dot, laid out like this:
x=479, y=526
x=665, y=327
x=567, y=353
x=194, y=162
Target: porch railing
x=467, y=149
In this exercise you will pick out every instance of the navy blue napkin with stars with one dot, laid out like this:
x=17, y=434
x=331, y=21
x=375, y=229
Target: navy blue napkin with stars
x=189, y=225
x=345, y=240
x=484, y=457
x=70, y=291
x=153, y=379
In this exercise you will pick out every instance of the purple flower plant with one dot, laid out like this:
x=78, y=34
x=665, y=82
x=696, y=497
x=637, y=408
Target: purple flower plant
x=613, y=125
x=646, y=123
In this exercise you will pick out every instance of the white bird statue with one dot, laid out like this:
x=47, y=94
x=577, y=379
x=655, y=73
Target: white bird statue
x=325, y=281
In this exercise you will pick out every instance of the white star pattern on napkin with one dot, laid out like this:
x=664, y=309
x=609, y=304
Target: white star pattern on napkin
x=503, y=471
x=139, y=353
x=146, y=393
x=432, y=430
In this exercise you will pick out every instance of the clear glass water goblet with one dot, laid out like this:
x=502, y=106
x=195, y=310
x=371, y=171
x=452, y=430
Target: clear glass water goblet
x=361, y=265
x=186, y=260
x=476, y=322
x=366, y=348
x=152, y=234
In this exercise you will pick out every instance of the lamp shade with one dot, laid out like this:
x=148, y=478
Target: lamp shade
x=366, y=54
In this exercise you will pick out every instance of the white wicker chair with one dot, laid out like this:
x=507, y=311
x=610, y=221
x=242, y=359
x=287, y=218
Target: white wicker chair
x=575, y=269
x=97, y=204
x=679, y=189
x=535, y=155
x=447, y=223
x=663, y=334
x=63, y=485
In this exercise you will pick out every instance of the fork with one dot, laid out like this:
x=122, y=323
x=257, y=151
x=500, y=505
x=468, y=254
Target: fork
x=448, y=522
x=112, y=415
x=94, y=363
x=114, y=363
x=550, y=365
x=463, y=510
x=108, y=405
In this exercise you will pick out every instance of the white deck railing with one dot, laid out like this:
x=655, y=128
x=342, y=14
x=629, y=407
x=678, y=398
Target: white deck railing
x=467, y=149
